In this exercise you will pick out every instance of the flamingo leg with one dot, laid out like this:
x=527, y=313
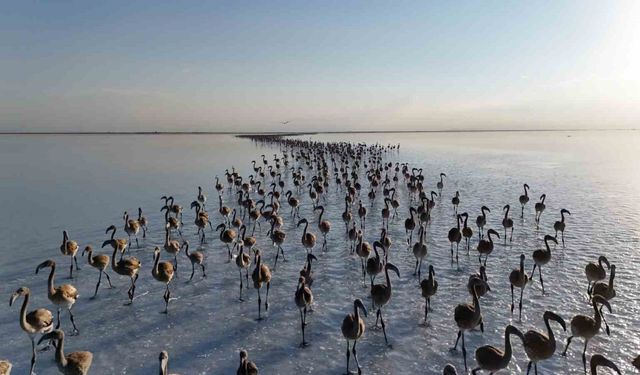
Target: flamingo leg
x=33, y=356
x=108, y=279
x=98, y=285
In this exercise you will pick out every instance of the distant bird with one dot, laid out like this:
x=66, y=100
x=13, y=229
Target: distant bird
x=478, y=282
x=606, y=290
x=481, y=221
x=307, y=272
x=420, y=252
x=518, y=278
x=507, y=223
x=285, y=122
x=596, y=272
x=485, y=247
x=143, y=222
x=243, y=261
x=118, y=244
x=490, y=358
x=246, y=366
x=455, y=201
x=196, y=257
x=381, y=294
x=353, y=328
x=126, y=267
x=524, y=199
x=541, y=257
x=455, y=235
x=429, y=287
x=375, y=264
x=76, y=363
x=539, y=207
x=303, y=298
x=131, y=227
x=202, y=197
x=163, y=272
x=363, y=249
x=323, y=225
x=99, y=262
x=227, y=236
x=599, y=360
x=69, y=248
x=467, y=232
x=558, y=226
x=308, y=239
x=440, y=183
x=467, y=317
x=261, y=275
x=32, y=322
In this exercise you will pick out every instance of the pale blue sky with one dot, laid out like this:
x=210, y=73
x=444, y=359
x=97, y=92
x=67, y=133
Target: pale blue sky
x=324, y=65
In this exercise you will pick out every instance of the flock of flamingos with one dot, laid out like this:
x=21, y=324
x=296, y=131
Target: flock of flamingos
x=301, y=174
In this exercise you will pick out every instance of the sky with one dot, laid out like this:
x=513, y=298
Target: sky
x=323, y=65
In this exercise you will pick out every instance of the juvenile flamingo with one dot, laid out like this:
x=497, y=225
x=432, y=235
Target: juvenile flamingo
x=490, y=358
x=596, y=272
x=76, y=363
x=507, y=223
x=541, y=257
x=353, y=328
x=63, y=296
x=481, y=221
x=429, y=287
x=588, y=327
x=303, y=298
x=69, y=248
x=559, y=226
x=381, y=295
x=261, y=275
x=99, y=262
x=524, y=199
x=32, y=322
x=518, y=278
x=539, y=207
x=246, y=366
x=540, y=346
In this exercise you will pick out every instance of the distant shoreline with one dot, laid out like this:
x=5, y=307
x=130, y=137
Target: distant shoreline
x=293, y=133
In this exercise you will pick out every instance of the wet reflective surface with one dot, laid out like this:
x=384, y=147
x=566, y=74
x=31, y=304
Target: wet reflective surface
x=84, y=184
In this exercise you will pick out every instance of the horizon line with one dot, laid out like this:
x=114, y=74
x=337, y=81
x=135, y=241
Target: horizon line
x=310, y=132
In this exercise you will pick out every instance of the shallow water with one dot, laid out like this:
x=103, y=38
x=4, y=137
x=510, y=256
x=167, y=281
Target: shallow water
x=84, y=183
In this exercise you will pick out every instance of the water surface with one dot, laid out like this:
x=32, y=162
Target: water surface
x=85, y=183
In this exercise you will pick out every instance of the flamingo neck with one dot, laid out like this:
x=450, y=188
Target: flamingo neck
x=612, y=275
x=552, y=339
x=546, y=242
x=52, y=288
x=90, y=257
x=60, y=358
x=156, y=260
x=23, y=313
x=476, y=306
x=506, y=358
x=598, y=316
